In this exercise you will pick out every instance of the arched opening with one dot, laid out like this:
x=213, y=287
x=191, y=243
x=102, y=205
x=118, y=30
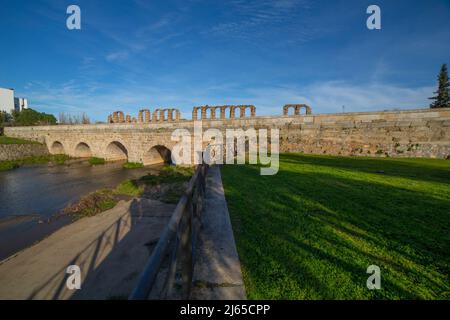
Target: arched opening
x=302, y=111
x=116, y=151
x=226, y=112
x=57, y=148
x=157, y=154
x=208, y=113
x=83, y=151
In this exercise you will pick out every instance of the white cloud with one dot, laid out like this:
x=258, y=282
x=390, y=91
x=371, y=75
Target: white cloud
x=255, y=19
x=328, y=97
x=117, y=56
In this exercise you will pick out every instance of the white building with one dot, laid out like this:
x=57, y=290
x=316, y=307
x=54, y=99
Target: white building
x=6, y=100
x=20, y=104
x=9, y=103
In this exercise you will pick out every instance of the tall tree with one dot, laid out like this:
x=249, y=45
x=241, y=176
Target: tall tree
x=442, y=98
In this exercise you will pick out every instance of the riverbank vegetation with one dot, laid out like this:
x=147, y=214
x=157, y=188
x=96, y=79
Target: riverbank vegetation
x=168, y=174
x=312, y=230
x=167, y=186
x=53, y=159
x=9, y=140
x=133, y=165
x=94, y=161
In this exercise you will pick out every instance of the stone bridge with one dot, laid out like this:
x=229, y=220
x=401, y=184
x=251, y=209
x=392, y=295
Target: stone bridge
x=147, y=138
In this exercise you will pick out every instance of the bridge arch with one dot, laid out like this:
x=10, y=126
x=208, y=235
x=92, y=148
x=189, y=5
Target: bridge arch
x=82, y=150
x=116, y=151
x=157, y=154
x=57, y=148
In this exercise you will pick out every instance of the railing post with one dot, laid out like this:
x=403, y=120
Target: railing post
x=180, y=235
x=186, y=249
x=171, y=273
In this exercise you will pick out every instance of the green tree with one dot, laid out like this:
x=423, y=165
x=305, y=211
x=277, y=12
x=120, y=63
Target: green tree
x=30, y=117
x=4, y=117
x=442, y=98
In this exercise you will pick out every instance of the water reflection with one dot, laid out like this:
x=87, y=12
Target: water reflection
x=31, y=195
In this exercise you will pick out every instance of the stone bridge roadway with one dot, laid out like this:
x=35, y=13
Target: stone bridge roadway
x=407, y=133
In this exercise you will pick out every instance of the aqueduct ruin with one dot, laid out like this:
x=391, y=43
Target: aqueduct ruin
x=297, y=109
x=213, y=114
x=146, y=116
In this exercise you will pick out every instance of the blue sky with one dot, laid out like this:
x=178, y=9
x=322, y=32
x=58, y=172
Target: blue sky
x=181, y=53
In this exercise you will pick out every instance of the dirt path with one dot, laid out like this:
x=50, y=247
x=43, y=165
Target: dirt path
x=110, y=249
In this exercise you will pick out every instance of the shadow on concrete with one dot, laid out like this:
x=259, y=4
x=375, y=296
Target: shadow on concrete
x=110, y=265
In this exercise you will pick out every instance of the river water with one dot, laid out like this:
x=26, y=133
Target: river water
x=30, y=196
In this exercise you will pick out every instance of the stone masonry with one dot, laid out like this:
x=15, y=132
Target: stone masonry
x=20, y=151
x=408, y=133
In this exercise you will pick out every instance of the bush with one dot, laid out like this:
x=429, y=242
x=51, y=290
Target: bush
x=30, y=117
x=129, y=188
x=5, y=117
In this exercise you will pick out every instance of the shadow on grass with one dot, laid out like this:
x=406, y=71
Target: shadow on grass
x=434, y=170
x=305, y=235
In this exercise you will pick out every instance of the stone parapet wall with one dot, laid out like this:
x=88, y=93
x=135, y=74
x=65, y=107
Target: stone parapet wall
x=20, y=151
x=407, y=133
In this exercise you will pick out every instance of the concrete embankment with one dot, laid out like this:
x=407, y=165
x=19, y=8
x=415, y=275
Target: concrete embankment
x=110, y=248
x=20, y=151
x=217, y=272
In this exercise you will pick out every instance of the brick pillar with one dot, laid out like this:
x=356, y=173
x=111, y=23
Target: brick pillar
x=170, y=114
x=110, y=119
x=252, y=111
x=297, y=110
x=121, y=117
x=204, y=112
x=242, y=111
x=213, y=113
x=222, y=112
x=177, y=115
x=147, y=116
x=195, y=113
x=232, y=112
x=141, y=116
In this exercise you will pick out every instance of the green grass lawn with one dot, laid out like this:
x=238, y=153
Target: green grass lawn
x=8, y=140
x=311, y=231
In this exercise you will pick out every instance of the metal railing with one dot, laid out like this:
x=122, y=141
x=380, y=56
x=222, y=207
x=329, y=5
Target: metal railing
x=178, y=242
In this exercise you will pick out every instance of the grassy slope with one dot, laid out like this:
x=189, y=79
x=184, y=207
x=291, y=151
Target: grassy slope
x=311, y=231
x=105, y=199
x=8, y=140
